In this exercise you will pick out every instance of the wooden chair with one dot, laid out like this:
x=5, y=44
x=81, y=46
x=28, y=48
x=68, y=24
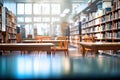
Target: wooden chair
x=62, y=46
x=89, y=39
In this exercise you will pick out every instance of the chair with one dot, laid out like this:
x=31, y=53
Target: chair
x=38, y=39
x=89, y=39
x=62, y=46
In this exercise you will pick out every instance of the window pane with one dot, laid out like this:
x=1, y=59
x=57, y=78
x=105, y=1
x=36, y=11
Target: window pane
x=28, y=19
x=45, y=9
x=42, y=29
x=58, y=30
x=28, y=30
x=37, y=8
x=46, y=19
x=55, y=19
x=28, y=8
x=37, y=19
x=55, y=9
x=20, y=8
x=20, y=19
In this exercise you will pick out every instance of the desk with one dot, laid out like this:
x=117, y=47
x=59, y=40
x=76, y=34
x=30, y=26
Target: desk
x=95, y=46
x=26, y=46
x=43, y=41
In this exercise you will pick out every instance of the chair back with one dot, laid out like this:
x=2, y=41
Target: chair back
x=60, y=44
x=66, y=42
x=90, y=39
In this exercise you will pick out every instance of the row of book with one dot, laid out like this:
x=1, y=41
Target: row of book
x=108, y=35
x=11, y=36
x=116, y=34
x=0, y=27
x=11, y=30
x=0, y=35
x=102, y=27
x=74, y=32
x=108, y=17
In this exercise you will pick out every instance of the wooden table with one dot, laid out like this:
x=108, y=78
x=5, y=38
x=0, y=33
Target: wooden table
x=95, y=46
x=43, y=41
x=26, y=47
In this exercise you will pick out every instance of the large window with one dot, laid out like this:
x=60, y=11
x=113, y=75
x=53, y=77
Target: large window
x=42, y=28
x=28, y=19
x=37, y=9
x=37, y=19
x=38, y=16
x=45, y=19
x=55, y=19
x=28, y=29
x=28, y=8
x=55, y=9
x=20, y=8
x=45, y=9
x=20, y=19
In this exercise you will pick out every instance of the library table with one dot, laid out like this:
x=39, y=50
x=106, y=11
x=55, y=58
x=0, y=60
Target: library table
x=43, y=41
x=95, y=46
x=26, y=47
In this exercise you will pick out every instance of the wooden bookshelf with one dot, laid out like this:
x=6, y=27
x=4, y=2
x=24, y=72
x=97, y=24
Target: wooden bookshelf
x=8, y=26
x=0, y=23
x=101, y=23
x=105, y=27
x=75, y=31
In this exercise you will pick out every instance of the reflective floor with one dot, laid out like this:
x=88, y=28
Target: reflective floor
x=59, y=66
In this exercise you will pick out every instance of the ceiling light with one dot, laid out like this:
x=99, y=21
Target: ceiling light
x=62, y=15
x=66, y=11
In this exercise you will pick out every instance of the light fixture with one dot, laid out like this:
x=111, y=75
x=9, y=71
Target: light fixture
x=66, y=11
x=62, y=15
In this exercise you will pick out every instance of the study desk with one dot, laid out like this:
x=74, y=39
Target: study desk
x=43, y=41
x=26, y=47
x=95, y=46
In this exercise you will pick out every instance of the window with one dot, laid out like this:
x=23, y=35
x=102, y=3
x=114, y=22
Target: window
x=28, y=19
x=37, y=9
x=20, y=8
x=20, y=19
x=42, y=28
x=55, y=19
x=39, y=15
x=45, y=19
x=28, y=29
x=45, y=9
x=37, y=19
x=58, y=30
x=28, y=8
x=55, y=10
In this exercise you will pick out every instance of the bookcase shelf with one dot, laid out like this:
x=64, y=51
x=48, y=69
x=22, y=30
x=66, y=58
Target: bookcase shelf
x=75, y=31
x=8, y=26
x=101, y=22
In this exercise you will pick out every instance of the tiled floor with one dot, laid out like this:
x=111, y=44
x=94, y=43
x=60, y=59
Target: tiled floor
x=42, y=66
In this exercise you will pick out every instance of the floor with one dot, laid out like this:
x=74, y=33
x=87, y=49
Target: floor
x=42, y=66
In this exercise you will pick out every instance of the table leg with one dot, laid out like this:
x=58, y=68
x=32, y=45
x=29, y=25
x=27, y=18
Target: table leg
x=96, y=52
x=1, y=52
x=83, y=52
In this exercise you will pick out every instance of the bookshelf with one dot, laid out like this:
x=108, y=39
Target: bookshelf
x=0, y=23
x=8, y=26
x=75, y=31
x=104, y=23
x=106, y=27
